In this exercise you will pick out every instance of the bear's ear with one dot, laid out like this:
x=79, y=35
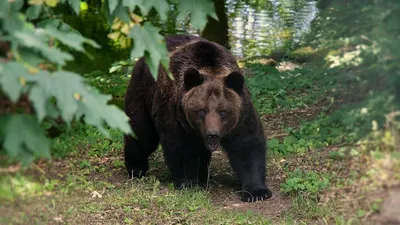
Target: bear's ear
x=192, y=78
x=235, y=81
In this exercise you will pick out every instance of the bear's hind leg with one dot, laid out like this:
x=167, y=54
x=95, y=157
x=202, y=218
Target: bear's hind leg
x=137, y=151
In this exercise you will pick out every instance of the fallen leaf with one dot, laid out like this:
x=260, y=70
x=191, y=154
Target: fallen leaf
x=96, y=194
x=58, y=219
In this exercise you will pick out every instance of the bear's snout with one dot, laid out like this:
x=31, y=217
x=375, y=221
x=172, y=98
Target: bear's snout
x=212, y=136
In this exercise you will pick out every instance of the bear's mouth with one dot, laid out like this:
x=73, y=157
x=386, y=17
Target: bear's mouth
x=212, y=144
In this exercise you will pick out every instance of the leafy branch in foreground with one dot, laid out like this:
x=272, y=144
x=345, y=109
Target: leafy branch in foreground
x=35, y=89
x=147, y=41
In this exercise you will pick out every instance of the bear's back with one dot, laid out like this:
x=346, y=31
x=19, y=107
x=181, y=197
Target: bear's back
x=174, y=41
x=191, y=51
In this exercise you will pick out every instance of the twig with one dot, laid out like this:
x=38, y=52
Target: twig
x=10, y=169
x=278, y=135
x=367, y=39
x=39, y=169
x=392, y=124
x=208, y=176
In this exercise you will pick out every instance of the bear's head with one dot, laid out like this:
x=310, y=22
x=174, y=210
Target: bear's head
x=212, y=103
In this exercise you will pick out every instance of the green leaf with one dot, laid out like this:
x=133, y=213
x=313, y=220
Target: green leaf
x=75, y=5
x=199, y=10
x=33, y=12
x=39, y=99
x=96, y=113
x=273, y=142
x=114, y=68
x=75, y=99
x=122, y=13
x=14, y=77
x=23, y=138
x=35, y=39
x=73, y=40
x=13, y=23
x=145, y=6
x=149, y=43
x=29, y=56
x=361, y=213
x=162, y=8
x=63, y=85
x=10, y=76
x=4, y=7
x=108, y=15
x=112, y=5
x=46, y=22
x=16, y=5
x=131, y=4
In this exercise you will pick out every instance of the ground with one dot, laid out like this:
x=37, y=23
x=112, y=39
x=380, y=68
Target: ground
x=316, y=179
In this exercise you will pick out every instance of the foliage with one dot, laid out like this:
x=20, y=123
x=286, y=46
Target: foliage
x=352, y=86
x=314, y=89
x=299, y=181
x=35, y=88
x=274, y=92
x=345, y=87
x=123, y=66
x=375, y=26
x=155, y=46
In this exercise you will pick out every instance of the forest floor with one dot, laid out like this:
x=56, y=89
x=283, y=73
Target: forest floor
x=314, y=182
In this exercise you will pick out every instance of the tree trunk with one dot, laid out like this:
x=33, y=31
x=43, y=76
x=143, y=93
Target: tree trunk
x=217, y=31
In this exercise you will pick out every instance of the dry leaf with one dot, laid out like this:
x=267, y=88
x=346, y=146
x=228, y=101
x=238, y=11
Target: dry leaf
x=96, y=194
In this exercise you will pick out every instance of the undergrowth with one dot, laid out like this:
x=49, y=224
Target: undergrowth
x=337, y=122
x=310, y=183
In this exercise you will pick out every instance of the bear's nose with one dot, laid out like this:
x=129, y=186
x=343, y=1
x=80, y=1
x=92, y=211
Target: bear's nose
x=212, y=136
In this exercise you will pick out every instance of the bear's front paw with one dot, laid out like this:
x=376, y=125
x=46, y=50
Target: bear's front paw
x=185, y=184
x=257, y=195
x=136, y=173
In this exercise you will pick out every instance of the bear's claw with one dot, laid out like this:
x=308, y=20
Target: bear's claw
x=258, y=195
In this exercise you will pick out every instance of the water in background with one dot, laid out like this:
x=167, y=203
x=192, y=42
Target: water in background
x=253, y=27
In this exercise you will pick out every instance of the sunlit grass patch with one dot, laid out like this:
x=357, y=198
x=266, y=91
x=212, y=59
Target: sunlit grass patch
x=18, y=186
x=308, y=208
x=84, y=139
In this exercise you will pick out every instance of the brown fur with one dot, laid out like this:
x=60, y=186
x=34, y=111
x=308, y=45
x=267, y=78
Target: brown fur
x=207, y=105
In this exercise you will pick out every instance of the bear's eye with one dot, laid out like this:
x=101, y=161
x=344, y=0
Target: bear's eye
x=202, y=113
x=222, y=113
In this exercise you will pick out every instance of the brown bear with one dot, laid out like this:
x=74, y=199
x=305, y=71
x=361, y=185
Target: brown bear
x=207, y=106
